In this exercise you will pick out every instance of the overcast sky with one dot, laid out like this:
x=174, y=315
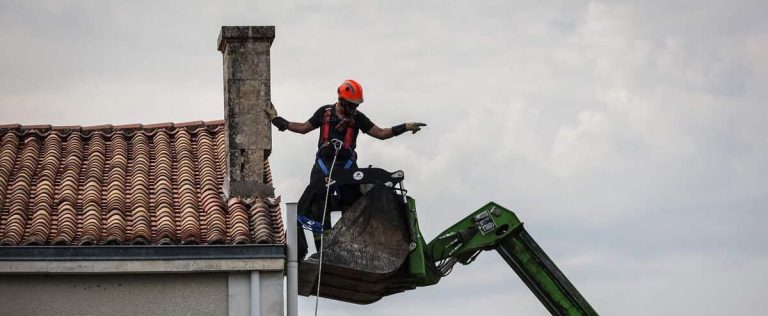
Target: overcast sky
x=630, y=137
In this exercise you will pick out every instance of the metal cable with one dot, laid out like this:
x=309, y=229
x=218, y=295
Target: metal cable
x=336, y=146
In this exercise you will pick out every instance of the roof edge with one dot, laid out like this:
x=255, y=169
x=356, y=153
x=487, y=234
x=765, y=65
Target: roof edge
x=140, y=252
x=108, y=127
x=141, y=266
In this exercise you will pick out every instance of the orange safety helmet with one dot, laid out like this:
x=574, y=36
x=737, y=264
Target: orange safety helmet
x=351, y=91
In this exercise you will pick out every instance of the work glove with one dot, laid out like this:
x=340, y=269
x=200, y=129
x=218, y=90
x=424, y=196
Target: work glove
x=277, y=121
x=414, y=126
x=271, y=111
x=411, y=126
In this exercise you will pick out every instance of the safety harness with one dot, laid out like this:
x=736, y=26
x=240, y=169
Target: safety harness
x=325, y=135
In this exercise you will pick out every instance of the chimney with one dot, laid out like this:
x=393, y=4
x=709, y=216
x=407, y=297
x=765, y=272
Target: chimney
x=246, y=93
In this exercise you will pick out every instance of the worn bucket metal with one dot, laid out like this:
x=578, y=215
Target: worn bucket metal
x=363, y=252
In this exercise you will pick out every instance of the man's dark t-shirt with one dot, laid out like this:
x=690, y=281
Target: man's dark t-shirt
x=361, y=123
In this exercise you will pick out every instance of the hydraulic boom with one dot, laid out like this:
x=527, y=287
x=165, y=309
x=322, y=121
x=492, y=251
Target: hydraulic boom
x=493, y=227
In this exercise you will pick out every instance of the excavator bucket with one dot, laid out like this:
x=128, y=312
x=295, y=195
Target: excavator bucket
x=363, y=253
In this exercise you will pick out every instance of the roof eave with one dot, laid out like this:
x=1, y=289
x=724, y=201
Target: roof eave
x=141, y=259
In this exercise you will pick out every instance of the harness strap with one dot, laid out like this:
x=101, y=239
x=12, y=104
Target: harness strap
x=325, y=169
x=326, y=133
x=348, y=136
x=322, y=166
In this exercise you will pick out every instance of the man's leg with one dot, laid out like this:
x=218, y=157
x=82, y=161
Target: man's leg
x=314, y=202
x=306, y=205
x=349, y=194
x=301, y=243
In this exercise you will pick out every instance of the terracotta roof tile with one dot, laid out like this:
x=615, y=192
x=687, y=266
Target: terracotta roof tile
x=123, y=185
x=39, y=126
x=159, y=125
x=97, y=127
x=216, y=122
x=67, y=128
x=189, y=124
x=129, y=126
x=10, y=126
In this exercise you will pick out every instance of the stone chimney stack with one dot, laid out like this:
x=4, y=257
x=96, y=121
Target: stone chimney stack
x=246, y=93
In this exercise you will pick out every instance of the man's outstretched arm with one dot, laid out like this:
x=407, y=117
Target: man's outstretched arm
x=283, y=124
x=301, y=128
x=389, y=132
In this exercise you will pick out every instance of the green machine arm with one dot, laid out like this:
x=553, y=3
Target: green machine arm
x=377, y=250
x=494, y=227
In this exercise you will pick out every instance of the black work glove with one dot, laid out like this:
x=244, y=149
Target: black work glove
x=280, y=123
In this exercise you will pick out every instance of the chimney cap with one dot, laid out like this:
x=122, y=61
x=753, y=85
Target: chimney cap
x=245, y=33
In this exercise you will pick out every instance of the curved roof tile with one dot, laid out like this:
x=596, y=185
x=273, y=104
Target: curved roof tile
x=125, y=185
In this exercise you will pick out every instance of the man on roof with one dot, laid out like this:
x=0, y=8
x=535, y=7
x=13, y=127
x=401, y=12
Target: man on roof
x=339, y=124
